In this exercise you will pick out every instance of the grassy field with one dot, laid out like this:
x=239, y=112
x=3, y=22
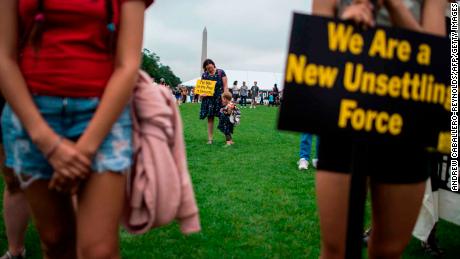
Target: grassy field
x=253, y=201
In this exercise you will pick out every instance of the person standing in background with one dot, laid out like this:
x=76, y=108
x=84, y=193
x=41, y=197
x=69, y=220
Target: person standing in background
x=196, y=97
x=184, y=92
x=275, y=93
x=271, y=99
x=244, y=91
x=16, y=213
x=229, y=118
x=177, y=94
x=162, y=81
x=235, y=91
x=261, y=98
x=254, y=94
x=305, y=151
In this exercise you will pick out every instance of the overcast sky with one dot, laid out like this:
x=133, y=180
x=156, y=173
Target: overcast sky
x=242, y=34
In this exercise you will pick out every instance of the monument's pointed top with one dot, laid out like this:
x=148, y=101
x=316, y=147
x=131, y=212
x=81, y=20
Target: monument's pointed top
x=205, y=30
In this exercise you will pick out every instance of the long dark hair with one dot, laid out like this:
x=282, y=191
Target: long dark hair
x=34, y=36
x=207, y=62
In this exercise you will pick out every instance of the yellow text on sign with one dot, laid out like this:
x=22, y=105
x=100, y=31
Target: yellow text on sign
x=368, y=120
x=343, y=38
x=444, y=142
x=206, y=87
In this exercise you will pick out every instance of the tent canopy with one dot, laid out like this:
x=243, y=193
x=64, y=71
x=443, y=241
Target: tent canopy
x=265, y=80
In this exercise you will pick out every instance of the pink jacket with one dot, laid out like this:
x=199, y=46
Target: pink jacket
x=159, y=188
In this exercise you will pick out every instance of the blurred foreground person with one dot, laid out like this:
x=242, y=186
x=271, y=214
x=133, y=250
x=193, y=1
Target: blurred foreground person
x=67, y=126
x=396, y=183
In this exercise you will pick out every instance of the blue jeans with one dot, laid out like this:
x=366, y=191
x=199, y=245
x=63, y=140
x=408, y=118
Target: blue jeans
x=305, y=146
x=244, y=99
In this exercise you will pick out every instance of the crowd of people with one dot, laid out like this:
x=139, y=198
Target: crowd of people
x=255, y=95
x=67, y=140
x=240, y=95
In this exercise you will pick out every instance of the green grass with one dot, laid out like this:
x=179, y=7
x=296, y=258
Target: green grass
x=253, y=201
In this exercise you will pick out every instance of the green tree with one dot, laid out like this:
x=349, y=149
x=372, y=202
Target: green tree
x=151, y=64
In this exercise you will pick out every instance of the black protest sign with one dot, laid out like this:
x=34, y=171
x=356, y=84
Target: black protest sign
x=380, y=83
x=441, y=176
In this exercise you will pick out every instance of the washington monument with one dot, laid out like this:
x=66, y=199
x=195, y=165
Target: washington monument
x=204, y=49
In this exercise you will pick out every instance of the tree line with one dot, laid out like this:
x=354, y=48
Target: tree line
x=151, y=64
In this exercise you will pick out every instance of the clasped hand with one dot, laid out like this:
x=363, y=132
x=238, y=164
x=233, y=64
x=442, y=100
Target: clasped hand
x=70, y=165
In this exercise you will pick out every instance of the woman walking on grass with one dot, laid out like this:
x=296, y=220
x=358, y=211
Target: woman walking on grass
x=210, y=105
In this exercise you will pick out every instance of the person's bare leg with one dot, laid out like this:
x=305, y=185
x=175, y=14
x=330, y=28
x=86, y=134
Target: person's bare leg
x=332, y=191
x=395, y=208
x=15, y=210
x=16, y=216
x=54, y=219
x=210, y=128
x=100, y=206
x=75, y=203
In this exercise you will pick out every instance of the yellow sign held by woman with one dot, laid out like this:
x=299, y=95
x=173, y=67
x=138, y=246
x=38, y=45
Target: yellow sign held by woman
x=205, y=87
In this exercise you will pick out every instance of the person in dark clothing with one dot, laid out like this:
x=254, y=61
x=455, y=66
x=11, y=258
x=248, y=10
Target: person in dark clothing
x=229, y=117
x=254, y=94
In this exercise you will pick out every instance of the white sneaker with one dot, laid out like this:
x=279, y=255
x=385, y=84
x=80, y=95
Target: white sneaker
x=8, y=255
x=303, y=164
x=314, y=162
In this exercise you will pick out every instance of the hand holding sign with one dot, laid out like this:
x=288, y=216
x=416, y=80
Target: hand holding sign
x=205, y=87
x=360, y=13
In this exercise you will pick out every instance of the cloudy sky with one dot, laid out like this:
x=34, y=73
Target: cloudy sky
x=242, y=34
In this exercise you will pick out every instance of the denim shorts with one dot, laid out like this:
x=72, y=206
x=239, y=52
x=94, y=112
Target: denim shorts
x=69, y=118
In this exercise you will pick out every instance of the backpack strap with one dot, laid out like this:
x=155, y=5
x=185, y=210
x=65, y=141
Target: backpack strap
x=109, y=15
x=36, y=28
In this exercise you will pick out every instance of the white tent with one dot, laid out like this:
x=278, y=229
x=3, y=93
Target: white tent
x=265, y=80
x=190, y=83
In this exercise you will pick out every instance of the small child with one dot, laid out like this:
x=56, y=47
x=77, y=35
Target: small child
x=229, y=117
x=271, y=100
